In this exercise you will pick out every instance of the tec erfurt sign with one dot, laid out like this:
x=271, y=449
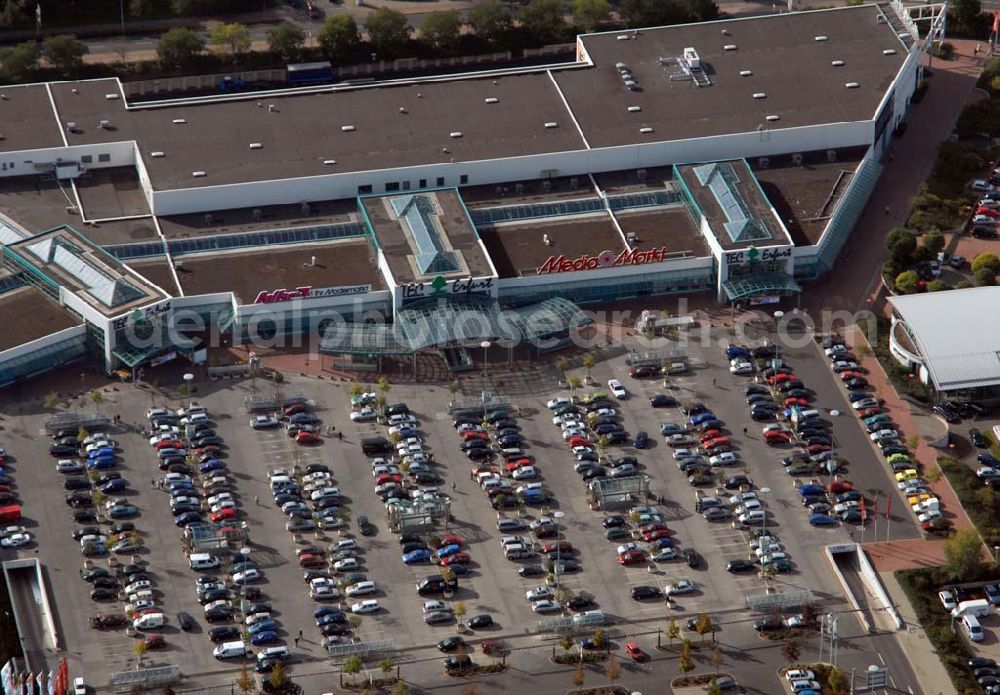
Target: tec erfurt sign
x=755, y=255
x=439, y=287
x=308, y=292
x=605, y=259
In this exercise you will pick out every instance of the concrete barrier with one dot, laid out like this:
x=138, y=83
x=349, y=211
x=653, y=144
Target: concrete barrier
x=870, y=577
x=229, y=372
x=43, y=606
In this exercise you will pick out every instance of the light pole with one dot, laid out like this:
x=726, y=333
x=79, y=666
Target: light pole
x=557, y=515
x=763, y=521
x=777, y=335
x=485, y=345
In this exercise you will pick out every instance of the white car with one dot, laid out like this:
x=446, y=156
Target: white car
x=947, y=600
x=138, y=586
x=432, y=606
x=219, y=498
x=627, y=548
x=11, y=530
x=362, y=607
x=361, y=589
x=563, y=420
x=525, y=473
x=346, y=565
x=263, y=422
x=363, y=415
x=980, y=185
x=16, y=540
x=681, y=586
x=604, y=412
x=865, y=403
x=617, y=390
x=253, y=618
x=539, y=593
x=345, y=544
x=385, y=470
x=726, y=458
x=844, y=365
x=529, y=486
x=680, y=440
x=742, y=497
x=556, y=402
x=546, y=606
x=741, y=368
x=883, y=434
x=797, y=620
x=768, y=549
x=798, y=674
x=323, y=588
x=664, y=555
x=573, y=431
x=923, y=517
x=246, y=576
x=403, y=419
x=771, y=558
x=224, y=504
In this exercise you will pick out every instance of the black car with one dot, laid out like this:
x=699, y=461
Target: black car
x=765, y=624
x=692, y=558
x=580, y=602
x=219, y=614
x=79, y=533
x=93, y=573
x=948, y=413
x=614, y=521
x=224, y=633
x=471, y=444
x=977, y=439
x=57, y=450
x=818, y=439
x=79, y=499
x=510, y=441
x=450, y=644
x=185, y=621
x=981, y=662
x=763, y=414
x=736, y=566
x=756, y=388
x=84, y=516
x=734, y=482
x=798, y=393
x=103, y=594
x=76, y=484
x=104, y=583
x=331, y=629
x=531, y=571
x=644, y=592
x=480, y=621
x=662, y=401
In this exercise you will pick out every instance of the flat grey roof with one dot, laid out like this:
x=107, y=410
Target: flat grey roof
x=788, y=64
x=26, y=120
x=454, y=230
x=238, y=220
x=34, y=315
x=956, y=356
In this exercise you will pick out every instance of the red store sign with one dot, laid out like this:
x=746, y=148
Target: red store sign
x=605, y=259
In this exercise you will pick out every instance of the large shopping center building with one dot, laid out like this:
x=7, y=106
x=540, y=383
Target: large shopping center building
x=730, y=157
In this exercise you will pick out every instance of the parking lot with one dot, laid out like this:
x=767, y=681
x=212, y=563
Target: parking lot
x=492, y=585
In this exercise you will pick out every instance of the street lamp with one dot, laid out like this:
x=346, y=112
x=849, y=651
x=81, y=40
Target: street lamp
x=557, y=515
x=485, y=345
x=763, y=521
x=778, y=315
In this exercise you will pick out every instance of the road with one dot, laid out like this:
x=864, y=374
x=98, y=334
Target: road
x=25, y=599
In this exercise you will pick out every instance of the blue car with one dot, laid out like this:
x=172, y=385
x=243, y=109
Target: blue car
x=98, y=464
x=641, y=440
x=988, y=460
x=101, y=452
x=114, y=485
x=822, y=520
x=179, y=486
x=662, y=543
x=406, y=432
x=415, y=556
x=321, y=611
x=810, y=489
x=733, y=352
x=263, y=626
x=702, y=417
x=262, y=638
x=447, y=550
x=535, y=496
x=187, y=518
x=211, y=465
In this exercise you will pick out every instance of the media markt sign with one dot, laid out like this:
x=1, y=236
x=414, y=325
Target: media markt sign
x=605, y=259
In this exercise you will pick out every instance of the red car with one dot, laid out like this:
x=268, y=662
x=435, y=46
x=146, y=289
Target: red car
x=311, y=560
x=780, y=378
x=578, y=441
x=471, y=434
x=839, y=486
x=456, y=559
x=710, y=434
x=517, y=463
x=223, y=514
x=635, y=651
x=449, y=539
x=796, y=401
x=868, y=412
x=169, y=444
x=774, y=438
x=851, y=374
x=631, y=557
x=561, y=546
x=814, y=449
x=650, y=536
x=295, y=408
x=984, y=210
x=718, y=449
x=306, y=438
x=155, y=642
x=208, y=449
x=388, y=478
x=654, y=527
x=715, y=442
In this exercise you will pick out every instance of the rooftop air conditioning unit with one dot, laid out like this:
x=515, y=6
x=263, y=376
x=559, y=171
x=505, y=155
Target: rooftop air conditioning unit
x=455, y=134
x=646, y=129
x=346, y=128
x=546, y=240
x=71, y=127
x=837, y=63
x=889, y=52
x=491, y=100
x=746, y=73
x=112, y=96
x=329, y=162
x=157, y=155
x=772, y=117
x=179, y=121
x=197, y=174
x=852, y=85
x=551, y=124
x=631, y=238
x=760, y=95
x=821, y=38
x=622, y=37
x=729, y=47
x=103, y=125
x=634, y=109
x=255, y=145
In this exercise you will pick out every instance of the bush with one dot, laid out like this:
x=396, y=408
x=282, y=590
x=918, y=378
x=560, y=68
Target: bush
x=907, y=282
x=968, y=488
x=986, y=260
x=919, y=92
x=937, y=286
x=944, y=51
x=985, y=277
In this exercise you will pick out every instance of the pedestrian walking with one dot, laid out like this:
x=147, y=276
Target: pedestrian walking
x=887, y=210
x=152, y=483
x=978, y=46
x=256, y=500
x=296, y=641
x=744, y=431
x=340, y=436
x=713, y=381
x=453, y=485
x=300, y=634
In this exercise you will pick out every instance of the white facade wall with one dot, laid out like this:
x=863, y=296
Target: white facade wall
x=22, y=162
x=602, y=275
x=580, y=162
x=42, y=343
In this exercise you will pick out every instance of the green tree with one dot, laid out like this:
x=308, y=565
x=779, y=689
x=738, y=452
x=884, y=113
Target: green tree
x=17, y=61
x=673, y=630
x=934, y=242
x=966, y=14
x=986, y=260
x=389, y=32
x=714, y=688
x=441, y=29
x=901, y=245
x=386, y=665
x=575, y=383
x=838, y=682
x=51, y=400
x=356, y=389
x=277, y=677
x=703, y=626
x=588, y=363
x=612, y=670
x=907, y=282
x=178, y=47
x=985, y=277
x=590, y=14
x=352, y=666
x=566, y=642
x=233, y=37
x=96, y=397
x=460, y=611
x=401, y=688
x=938, y=286
x=963, y=554
x=338, y=38
x=686, y=661
x=12, y=11
x=140, y=649
x=491, y=21
x=544, y=19
x=286, y=40
x=138, y=8
x=599, y=639
x=579, y=676
x=790, y=650
x=65, y=52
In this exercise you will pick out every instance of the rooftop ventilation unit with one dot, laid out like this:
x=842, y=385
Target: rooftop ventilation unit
x=759, y=95
x=103, y=125
x=797, y=159
x=772, y=117
x=197, y=174
x=157, y=155
x=746, y=73
x=546, y=240
x=455, y=134
x=179, y=121
x=764, y=163
x=631, y=238
x=255, y=145
x=646, y=129
x=889, y=52
x=71, y=127
x=402, y=110
x=690, y=57
x=491, y=100
x=837, y=63
x=112, y=96
x=347, y=129
x=852, y=85
x=329, y=162
x=272, y=108
x=634, y=109
x=258, y=214
x=631, y=85
x=820, y=38
x=551, y=124
x=622, y=37
x=729, y=47
x=620, y=67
